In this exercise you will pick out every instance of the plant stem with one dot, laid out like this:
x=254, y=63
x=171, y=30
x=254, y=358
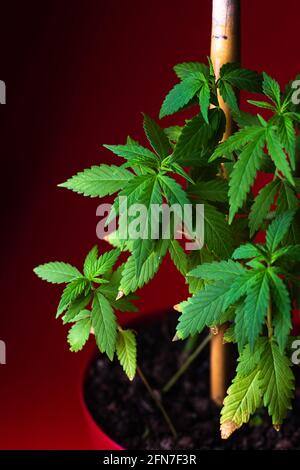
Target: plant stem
x=189, y=346
x=186, y=364
x=158, y=402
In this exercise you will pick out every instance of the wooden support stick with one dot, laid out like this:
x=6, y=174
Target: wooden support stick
x=225, y=47
x=225, y=42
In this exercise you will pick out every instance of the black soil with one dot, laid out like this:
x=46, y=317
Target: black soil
x=126, y=412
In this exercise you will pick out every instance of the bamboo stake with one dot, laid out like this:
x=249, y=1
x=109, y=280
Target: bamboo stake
x=225, y=42
x=225, y=47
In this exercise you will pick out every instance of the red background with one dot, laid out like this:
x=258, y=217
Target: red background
x=78, y=74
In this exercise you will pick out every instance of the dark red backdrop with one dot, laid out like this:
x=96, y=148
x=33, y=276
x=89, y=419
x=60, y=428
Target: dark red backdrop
x=78, y=74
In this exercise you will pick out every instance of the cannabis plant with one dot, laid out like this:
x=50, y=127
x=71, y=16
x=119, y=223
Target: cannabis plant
x=251, y=287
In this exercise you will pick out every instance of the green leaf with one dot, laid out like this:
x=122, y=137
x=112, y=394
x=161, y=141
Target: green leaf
x=89, y=262
x=186, y=69
x=244, y=173
x=157, y=137
x=79, y=334
x=173, y=191
x=104, y=263
x=76, y=307
x=57, y=272
x=256, y=307
x=218, y=270
x=111, y=290
x=297, y=183
x=229, y=335
x=141, y=251
x=271, y=89
x=262, y=121
x=104, y=324
x=278, y=229
x=287, y=198
x=131, y=280
x=244, y=119
x=250, y=360
x=287, y=137
x=82, y=315
x=180, y=95
x=267, y=165
x=99, y=181
x=203, y=309
x=241, y=286
x=173, y=133
x=255, y=263
x=132, y=151
x=178, y=257
x=218, y=234
x=282, y=318
x=246, y=251
x=126, y=352
x=142, y=246
x=226, y=316
x=131, y=141
x=277, y=382
x=278, y=156
x=211, y=68
x=228, y=96
x=138, y=163
x=243, y=79
x=204, y=98
x=243, y=398
x=214, y=190
x=134, y=191
x=176, y=168
x=141, y=166
x=237, y=141
x=262, y=104
x=262, y=205
x=239, y=230
x=192, y=140
x=195, y=258
x=292, y=253
x=100, y=280
x=198, y=138
x=71, y=292
x=240, y=326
